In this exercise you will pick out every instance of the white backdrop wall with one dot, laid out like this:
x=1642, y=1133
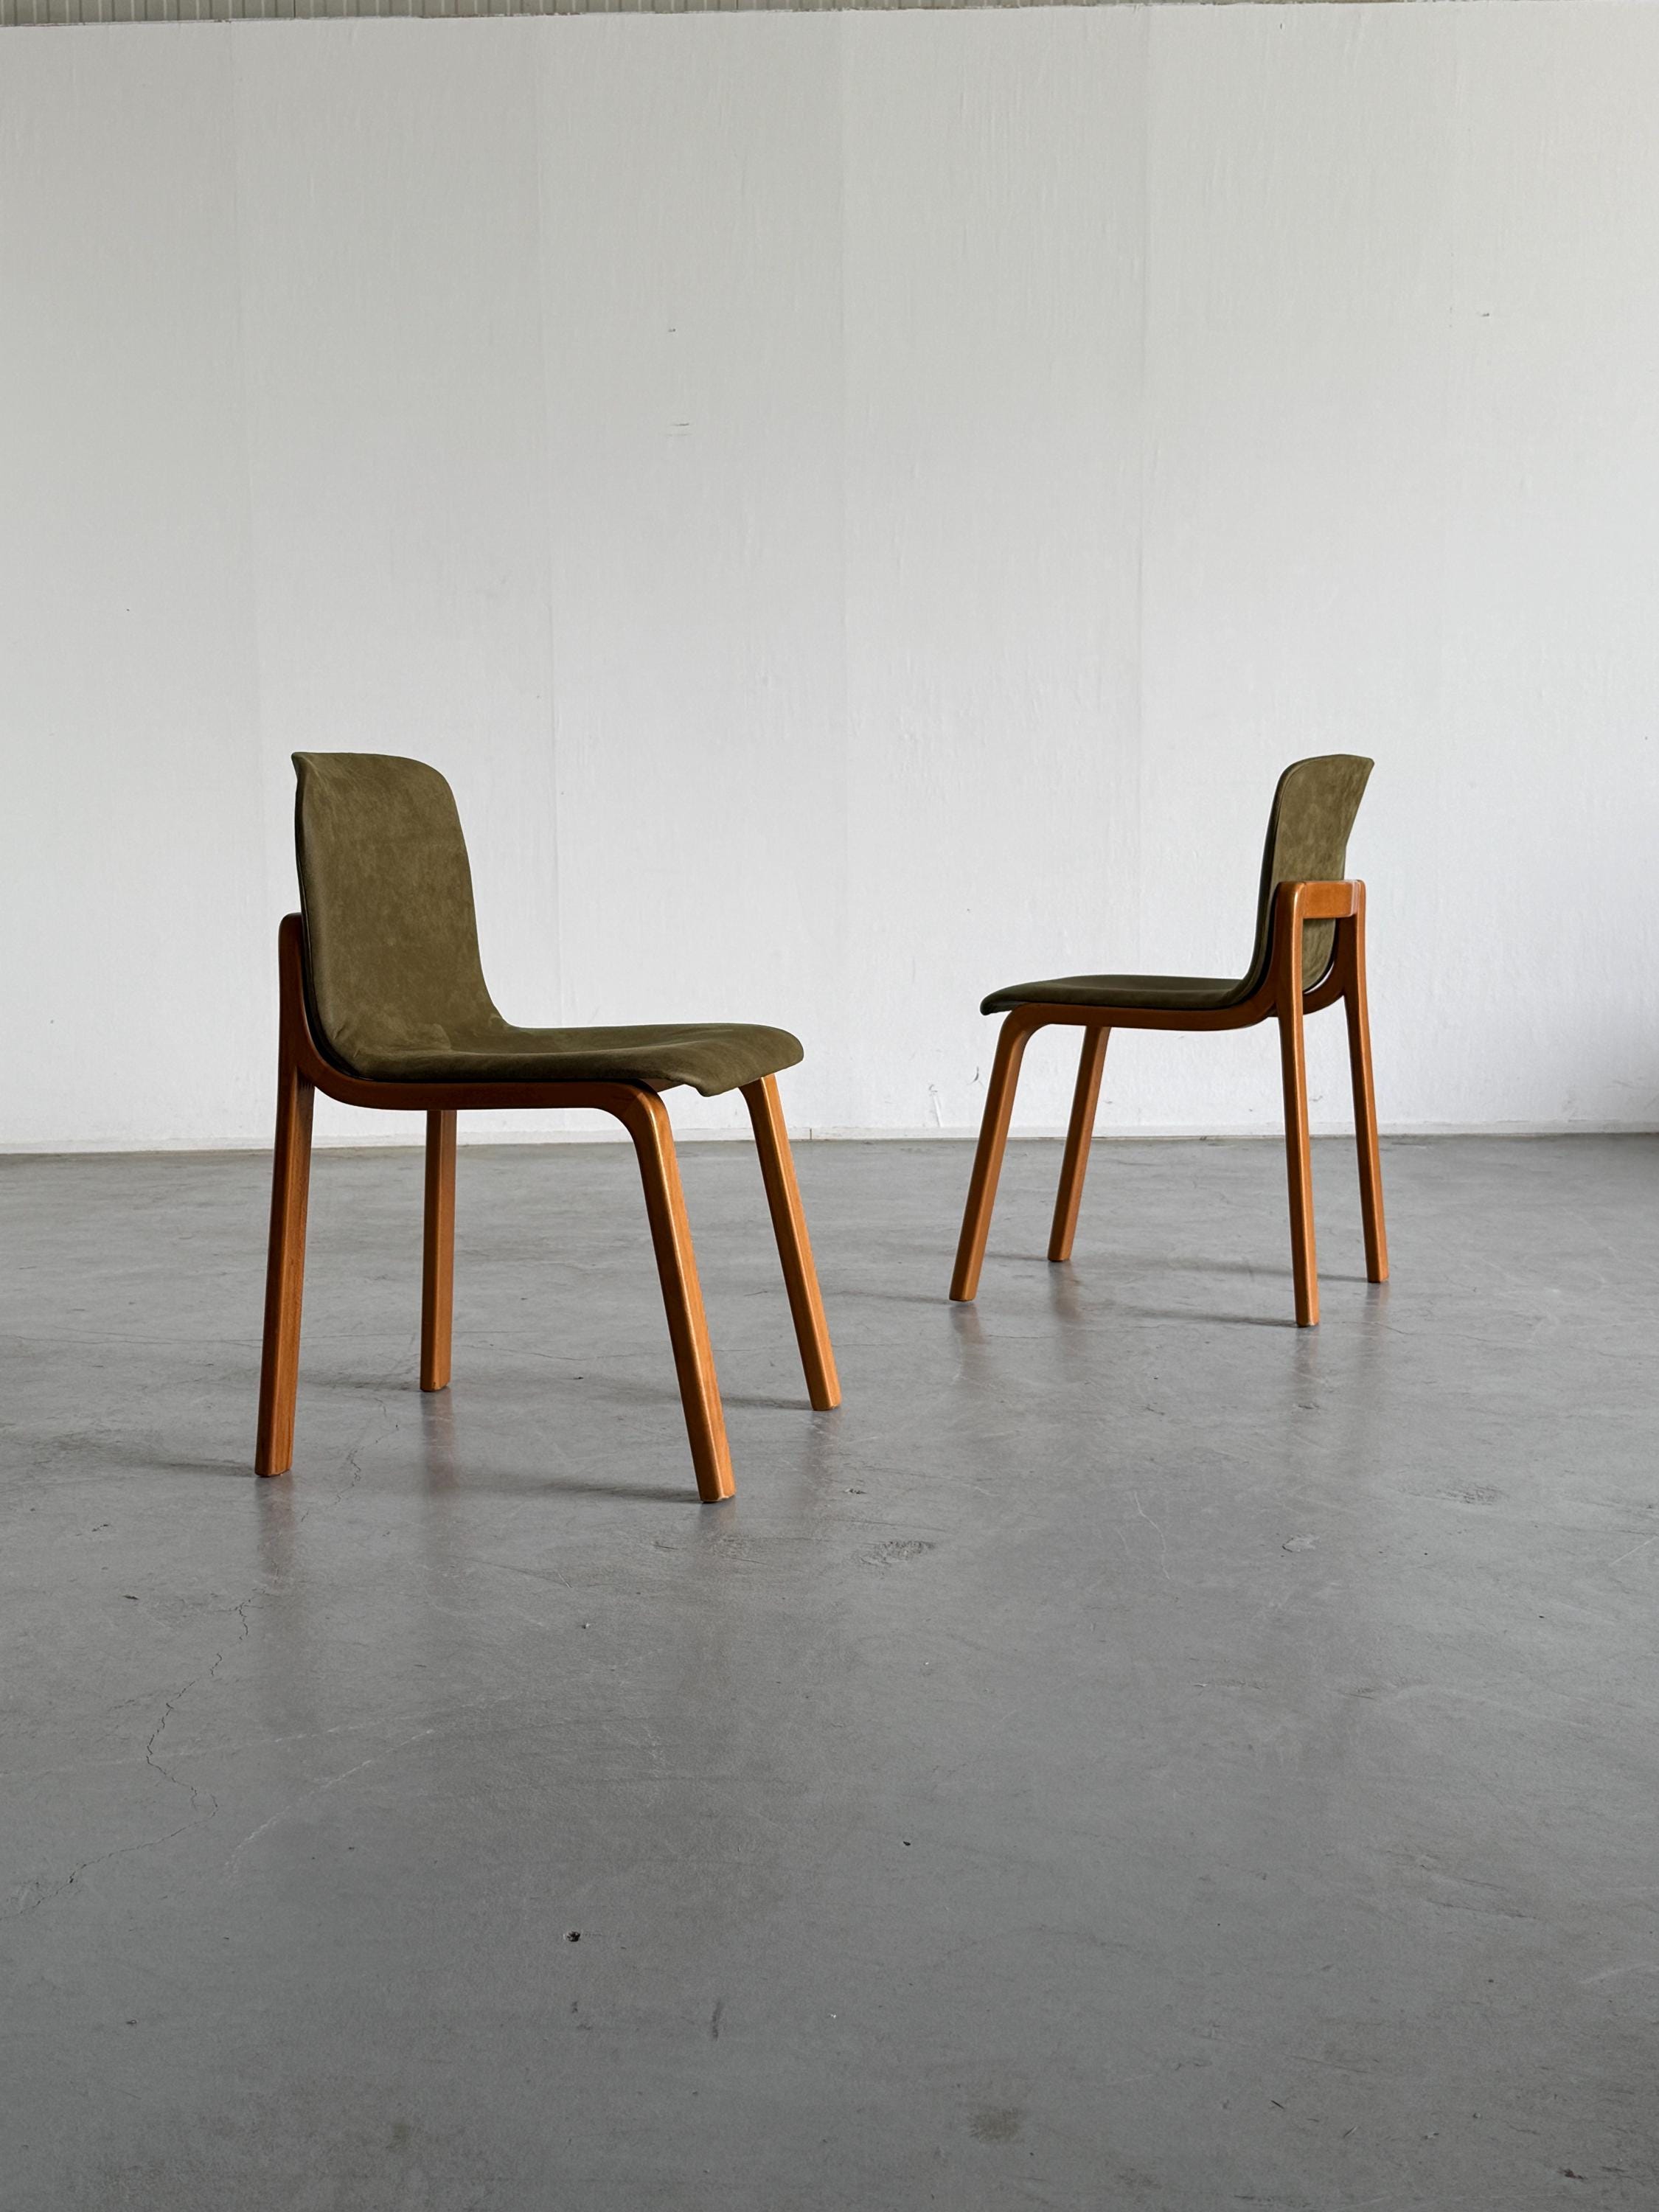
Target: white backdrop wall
x=862, y=506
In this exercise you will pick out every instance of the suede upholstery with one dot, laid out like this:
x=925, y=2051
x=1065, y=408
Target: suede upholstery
x=1313, y=813
x=398, y=993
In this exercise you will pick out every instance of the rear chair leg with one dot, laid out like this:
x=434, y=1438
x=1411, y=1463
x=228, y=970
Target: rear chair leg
x=794, y=1250
x=645, y=1118
x=1365, y=1097
x=438, y=1252
x=1075, y=1165
x=285, y=1270
x=987, y=1157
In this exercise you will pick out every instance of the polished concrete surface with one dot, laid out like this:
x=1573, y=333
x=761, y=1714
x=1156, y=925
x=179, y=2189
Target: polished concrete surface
x=1133, y=1754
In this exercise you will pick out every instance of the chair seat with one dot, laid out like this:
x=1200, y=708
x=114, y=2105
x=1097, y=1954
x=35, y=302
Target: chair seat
x=710, y=1057
x=1172, y=993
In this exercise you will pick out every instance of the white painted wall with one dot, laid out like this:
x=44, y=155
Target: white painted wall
x=862, y=506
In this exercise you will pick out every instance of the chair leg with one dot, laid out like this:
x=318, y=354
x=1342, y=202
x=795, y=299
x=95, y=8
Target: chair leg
x=645, y=1118
x=1356, y=1007
x=438, y=1252
x=794, y=1250
x=1298, y=1160
x=1075, y=1164
x=285, y=1270
x=987, y=1157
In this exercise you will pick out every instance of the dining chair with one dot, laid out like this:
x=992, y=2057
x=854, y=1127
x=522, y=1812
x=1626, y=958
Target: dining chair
x=384, y=1004
x=1310, y=951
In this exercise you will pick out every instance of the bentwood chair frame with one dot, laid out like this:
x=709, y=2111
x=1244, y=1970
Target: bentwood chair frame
x=303, y=1069
x=1283, y=994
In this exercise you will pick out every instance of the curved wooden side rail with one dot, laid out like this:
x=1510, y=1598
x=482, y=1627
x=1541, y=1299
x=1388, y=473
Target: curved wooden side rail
x=303, y=1069
x=1282, y=994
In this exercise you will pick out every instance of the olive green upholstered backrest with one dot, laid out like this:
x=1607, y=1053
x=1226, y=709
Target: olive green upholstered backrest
x=1314, y=810
x=391, y=937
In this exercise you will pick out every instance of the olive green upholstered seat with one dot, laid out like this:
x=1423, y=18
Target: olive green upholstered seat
x=1313, y=813
x=710, y=1057
x=1197, y=992
x=398, y=989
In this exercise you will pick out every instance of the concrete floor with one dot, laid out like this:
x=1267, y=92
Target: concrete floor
x=1133, y=1754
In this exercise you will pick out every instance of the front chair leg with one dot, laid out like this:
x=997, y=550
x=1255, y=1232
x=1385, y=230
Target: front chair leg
x=438, y=1252
x=987, y=1156
x=1298, y=1160
x=285, y=1270
x=645, y=1118
x=1075, y=1164
x=794, y=1248
x=1293, y=1061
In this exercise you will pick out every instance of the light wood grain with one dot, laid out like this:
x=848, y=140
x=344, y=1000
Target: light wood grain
x=1289, y=901
x=645, y=1117
x=801, y=1276
x=1351, y=961
x=285, y=1269
x=438, y=1252
x=1075, y=1164
x=988, y=1154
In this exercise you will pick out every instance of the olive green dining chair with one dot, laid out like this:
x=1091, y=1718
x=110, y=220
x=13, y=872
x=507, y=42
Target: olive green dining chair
x=383, y=1004
x=1310, y=951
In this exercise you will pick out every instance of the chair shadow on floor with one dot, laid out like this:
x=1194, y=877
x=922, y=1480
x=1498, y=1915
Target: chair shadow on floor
x=159, y=1462
x=398, y=1387
x=1119, y=1308
x=442, y=1459
x=622, y=1391
x=1158, y=1260
x=542, y=1485
x=1065, y=1292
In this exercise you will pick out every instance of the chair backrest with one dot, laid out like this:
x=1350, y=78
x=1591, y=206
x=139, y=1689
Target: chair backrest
x=1314, y=810
x=391, y=937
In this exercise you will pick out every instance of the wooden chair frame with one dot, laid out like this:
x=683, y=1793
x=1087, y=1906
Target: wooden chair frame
x=1281, y=992
x=303, y=1069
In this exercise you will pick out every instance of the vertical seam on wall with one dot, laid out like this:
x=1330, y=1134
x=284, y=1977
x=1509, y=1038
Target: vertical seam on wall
x=843, y=978
x=538, y=124
x=1144, y=464
x=276, y=892
x=1454, y=388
